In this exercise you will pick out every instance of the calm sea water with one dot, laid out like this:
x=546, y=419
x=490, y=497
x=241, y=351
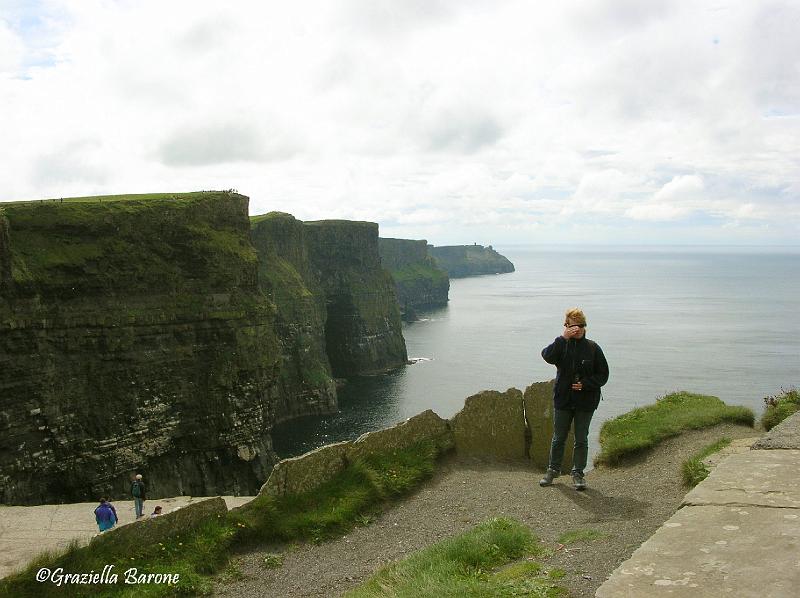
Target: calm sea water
x=720, y=321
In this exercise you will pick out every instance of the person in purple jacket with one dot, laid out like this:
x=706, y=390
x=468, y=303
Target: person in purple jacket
x=105, y=515
x=582, y=370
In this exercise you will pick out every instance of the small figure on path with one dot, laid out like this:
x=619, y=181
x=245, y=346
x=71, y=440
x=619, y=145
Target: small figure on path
x=156, y=512
x=582, y=371
x=105, y=515
x=139, y=496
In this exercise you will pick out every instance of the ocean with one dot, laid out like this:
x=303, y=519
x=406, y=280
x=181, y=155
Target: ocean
x=712, y=320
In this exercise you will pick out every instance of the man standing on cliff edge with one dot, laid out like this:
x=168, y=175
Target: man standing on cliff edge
x=139, y=495
x=582, y=371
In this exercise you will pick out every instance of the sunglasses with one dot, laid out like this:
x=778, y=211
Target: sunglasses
x=571, y=325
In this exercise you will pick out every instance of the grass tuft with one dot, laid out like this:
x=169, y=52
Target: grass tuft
x=643, y=428
x=779, y=407
x=464, y=564
x=693, y=470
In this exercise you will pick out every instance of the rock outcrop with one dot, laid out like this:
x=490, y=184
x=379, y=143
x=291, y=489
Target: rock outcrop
x=470, y=260
x=153, y=334
x=420, y=283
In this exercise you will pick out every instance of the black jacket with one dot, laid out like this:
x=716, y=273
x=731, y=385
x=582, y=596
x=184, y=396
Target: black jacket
x=581, y=357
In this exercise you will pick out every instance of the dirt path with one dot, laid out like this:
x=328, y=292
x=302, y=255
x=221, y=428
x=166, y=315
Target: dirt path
x=627, y=504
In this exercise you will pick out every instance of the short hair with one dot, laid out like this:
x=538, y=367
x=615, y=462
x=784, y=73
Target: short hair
x=138, y=476
x=576, y=315
x=102, y=500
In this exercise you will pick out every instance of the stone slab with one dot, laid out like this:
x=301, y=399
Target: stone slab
x=712, y=551
x=308, y=471
x=424, y=427
x=765, y=478
x=25, y=532
x=491, y=425
x=538, y=401
x=786, y=435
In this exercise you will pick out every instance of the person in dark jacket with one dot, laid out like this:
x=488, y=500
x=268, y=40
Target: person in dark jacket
x=105, y=515
x=582, y=371
x=138, y=493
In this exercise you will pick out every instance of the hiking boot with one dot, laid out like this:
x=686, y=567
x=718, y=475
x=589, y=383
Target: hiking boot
x=548, y=478
x=579, y=481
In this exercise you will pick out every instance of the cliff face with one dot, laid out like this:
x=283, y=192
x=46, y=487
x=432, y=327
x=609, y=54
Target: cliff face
x=305, y=380
x=419, y=281
x=363, y=330
x=470, y=260
x=133, y=335
x=5, y=253
x=153, y=334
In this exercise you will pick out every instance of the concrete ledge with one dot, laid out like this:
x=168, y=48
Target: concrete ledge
x=737, y=533
x=763, y=478
x=714, y=551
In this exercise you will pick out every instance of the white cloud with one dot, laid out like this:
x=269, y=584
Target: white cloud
x=11, y=50
x=677, y=199
x=440, y=115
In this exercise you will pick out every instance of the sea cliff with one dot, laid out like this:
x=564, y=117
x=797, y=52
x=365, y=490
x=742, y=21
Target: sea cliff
x=159, y=334
x=420, y=282
x=470, y=260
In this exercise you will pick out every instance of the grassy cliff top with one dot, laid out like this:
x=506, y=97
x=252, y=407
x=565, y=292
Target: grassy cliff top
x=112, y=243
x=271, y=216
x=137, y=197
x=348, y=223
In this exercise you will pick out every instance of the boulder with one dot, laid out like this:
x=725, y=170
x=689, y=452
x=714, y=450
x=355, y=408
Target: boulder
x=538, y=400
x=426, y=426
x=308, y=471
x=491, y=424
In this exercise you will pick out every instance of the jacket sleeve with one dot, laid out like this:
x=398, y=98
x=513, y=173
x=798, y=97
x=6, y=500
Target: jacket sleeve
x=554, y=352
x=600, y=375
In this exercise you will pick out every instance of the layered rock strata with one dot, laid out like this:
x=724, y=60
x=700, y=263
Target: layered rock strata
x=148, y=333
x=420, y=283
x=363, y=331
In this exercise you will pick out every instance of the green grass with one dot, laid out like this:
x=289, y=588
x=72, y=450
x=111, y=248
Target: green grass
x=643, y=428
x=475, y=564
x=123, y=197
x=125, y=243
x=693, y=471
x=415, y=272
x=328, y=511
x=779, y=407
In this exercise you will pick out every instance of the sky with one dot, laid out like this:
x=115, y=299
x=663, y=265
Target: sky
x=497, y=122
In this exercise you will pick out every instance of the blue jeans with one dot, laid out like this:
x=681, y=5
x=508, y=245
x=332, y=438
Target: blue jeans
x=139, y=504
x=562, y=420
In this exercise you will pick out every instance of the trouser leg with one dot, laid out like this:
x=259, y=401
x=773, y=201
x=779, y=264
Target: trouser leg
x=138, y=503
x=582, y=421
x=562, y=420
